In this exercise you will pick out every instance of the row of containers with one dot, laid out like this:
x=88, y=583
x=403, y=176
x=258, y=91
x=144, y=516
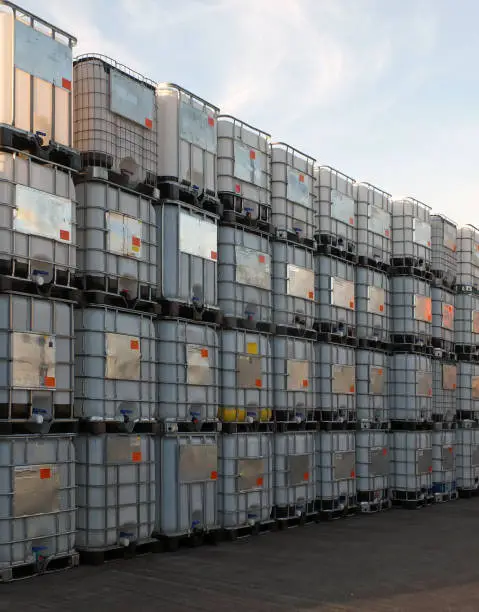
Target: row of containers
x=98, y=493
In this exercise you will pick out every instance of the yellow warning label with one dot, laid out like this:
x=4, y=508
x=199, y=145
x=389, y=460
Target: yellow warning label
x=252, y=348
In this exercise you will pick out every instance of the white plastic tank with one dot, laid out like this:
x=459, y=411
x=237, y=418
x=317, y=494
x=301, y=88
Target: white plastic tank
x=444, y=390
x=294, y=379
x=187, y=253
x=245, y=479
x=294, y=471
x=444, y=250
x=246, y=379
x=336, y=382
x=37, y=220
x=411, y=312
x=410, y=388
x=443, y=302
x=187, y=139
x=467, y=457
x=36, y=76
x=293, y=285
x=36, y=361
x=115, y=366
x=115, y=490
x=372, y=469
x=114, y=118
x=37, y=501
x=444, y=463
x=411, y=232
x=335, y=290
x=244, y=275
x=188, y=372
x=374, y=239
x=468, y=258
x=292, y=192
x=336, y=223
x=467, y=402
x=373, y=305
x=411, y=465
x=335, y=470
x=117, y=240
x=466, y=322
x=244, y=169
x=187, y=484
x=372, y=388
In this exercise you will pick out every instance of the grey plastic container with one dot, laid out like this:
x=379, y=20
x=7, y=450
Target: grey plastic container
x=294, y=470
x=443, y=302
x=36, y=361
x=411, y=230
x=246, y=376
x=37, y=501
x=372, y=388
x=466, y=319
x=468, y=258
x=114, y=118
x=410, y=388
x=336, y=208
x=115, y=369
x=115, y=490
x=374, y=208
x=187, y=486
x=188, y=371
x=187, y=254
x=444, y=248
x=244, y=166
x=37, y=220
x=294, y=378
x=117, y=239
x=411, y=312
x=187, y=138
x=467, y=403
x=444, y=463
x=444, y=390
x=373, y=305
x=335, y=470
x=467, y=458
x=293, y=285
x=335, y=292
x=244, y=274
x=372, y=468
x=336, y=384
x=410, y=465
x=245, y=479
x=292, y=191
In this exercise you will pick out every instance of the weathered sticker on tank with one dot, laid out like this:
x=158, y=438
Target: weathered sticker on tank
x=475, y=387
x=376, y=380
x=123, y=449
x=342, y=293
x=298, y=375
x=344, y=465
x=198, y=365
x=475, y=321
x=124, y=235
x=42, y=214
x=36, y=490
x=424, y=460
x=300, y=282
x=248, y=165
x=198, y=237
x=424, y=384
x=343, y=381
x=449, y=377
x=447, y=316
x=197, y=126
x=197, y=462
x=123, y=357
x=342, y=208
x=422, y=233
x=378, y=461
x=33, y=361
x=376, y=300
x=131, y=99
x=422, y=308
x=475, y=456
x=250, y=474
x=447, y=456
x=253, y=268
x=249, y=371
x=450, y=237
x=298, y=188
x=379, y=221
x=299, y=469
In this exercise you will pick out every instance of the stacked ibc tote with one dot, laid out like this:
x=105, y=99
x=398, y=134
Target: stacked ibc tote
x=37, y=266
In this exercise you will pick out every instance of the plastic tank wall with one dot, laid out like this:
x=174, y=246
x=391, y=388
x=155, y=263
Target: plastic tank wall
x=411, y=231
x=374, y=208
x=467, y=458
x=410, y=388
x=444, y=463
x=372, y=387
x=444, y=390
x=335, y=291
x=444, y=249
x=372, y=469
x=468, y=258
x=443, y=318
x=466, y=320
x=336, y=470
x=411, y=465
x=337, y=220
x=467, y=390
x=336, y=384
x=411, y=308
x=373, y=305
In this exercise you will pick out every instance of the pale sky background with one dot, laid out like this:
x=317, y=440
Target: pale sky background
x=384, y=90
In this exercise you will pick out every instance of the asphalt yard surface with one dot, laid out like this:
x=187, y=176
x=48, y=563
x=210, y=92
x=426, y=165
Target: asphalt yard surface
x=425, y=559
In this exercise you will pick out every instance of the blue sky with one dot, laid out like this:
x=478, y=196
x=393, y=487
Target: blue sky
x=384, y=90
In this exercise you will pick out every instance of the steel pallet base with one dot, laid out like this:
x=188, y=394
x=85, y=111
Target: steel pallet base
x=46, y=566
x=97, y=298
x=99, y=428
x=15, y=284
x=469, y=357
x=290, y=236
x=255, y=427
x=440, y=424
x=285, y=422
x=246, y=531
x=365, y=425
x=91, y=160
x=440, y=498
x=11, y=428
x=233, y=205
x=374, y=264
x=467, y=493
x=424, y=275
x=410, y=262
x=99, y=556
x=308, y=518
x=189, y=427
x=411, y=425
x=297, y=331
x=192, y=540
x=375, y=507
x=333, y=515
x=411, y=500
x=171, y=189
x=374, y=345
x=467, y=415
x=249, y=324
x=333, y=246
x=175, y=309
x=441, y=279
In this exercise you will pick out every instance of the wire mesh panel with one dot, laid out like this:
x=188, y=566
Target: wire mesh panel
x=411, y=312
x=372, y=468
x=467, y=390
x=411, y=465
x=444, y=463
x=373, y=305
x=410, y=388
x=336, y=384
x=467, y=458
x=336, y=470
x=337, y=219
x=444, y=383
x=443, y=302
x=466, y=321
x=335, y=291
x=411, y=230
x=372, y=389
x=374, y=207
x=468, y=258
x=444, y=249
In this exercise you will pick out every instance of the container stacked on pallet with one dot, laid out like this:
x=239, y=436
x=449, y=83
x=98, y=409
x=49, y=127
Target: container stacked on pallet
x=410, y=391
x=336, y=325
x=373, y=313
x=467, y=352
x=37, y=264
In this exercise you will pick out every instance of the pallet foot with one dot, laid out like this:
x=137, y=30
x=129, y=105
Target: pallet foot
x=114, y=553
x=45, y=566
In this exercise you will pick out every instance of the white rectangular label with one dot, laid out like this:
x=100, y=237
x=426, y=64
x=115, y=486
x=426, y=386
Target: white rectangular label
x=248, y=164
x=377, y=298
x=124, y=235
x=253, y=268
x=198, y=237
x=298, y=187
x=379, y=221
x=42, y=214
x=422, y=233
x=450, y=236
x=342, y=207
x=298, y=375
x=33, y=361
x=123, y=356
x=198, y=127
x=342, y=293
x=300, y=282
x=131, y=99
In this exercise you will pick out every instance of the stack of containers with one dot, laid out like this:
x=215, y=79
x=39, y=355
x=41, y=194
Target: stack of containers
x=293, y=348
x=467, y=352
x=245, y=451
x=335, y=321
x=37, y=264
x=116, y=356
x=187, y=336
x=373, y=312
x=410, y=374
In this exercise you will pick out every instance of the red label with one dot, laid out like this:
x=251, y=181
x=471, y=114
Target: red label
x=450, y=449
x=66, y=84
x=211, y=121
x=301, y=178
x=311, y=295
x=351, y=304
x=64, y=235
x=430, y=469
x=428, y=243
x=386, y=233
x=385, y=451
x=454, y=248
x=259, y=481
x=204, y=352
x=353, y=474
x=49, y=381
x=351, y=221
x=252, y=154
x=305, y=383
x=214, y=255
x=135, y=241
x=45, y=473
x=135, y=345
x=453, y=385
x=381, y=308
x=306, y=476
x=380, y=372
x=148, y=123
x=261, y=258
x=429, y=391
x=351, y=389
x=136, y=457
x=214, y=475
x=238, y=188
x=429, y=317
x=258, y=382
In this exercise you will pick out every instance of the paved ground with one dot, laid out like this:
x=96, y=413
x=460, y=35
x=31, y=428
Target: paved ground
x=400, y=560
